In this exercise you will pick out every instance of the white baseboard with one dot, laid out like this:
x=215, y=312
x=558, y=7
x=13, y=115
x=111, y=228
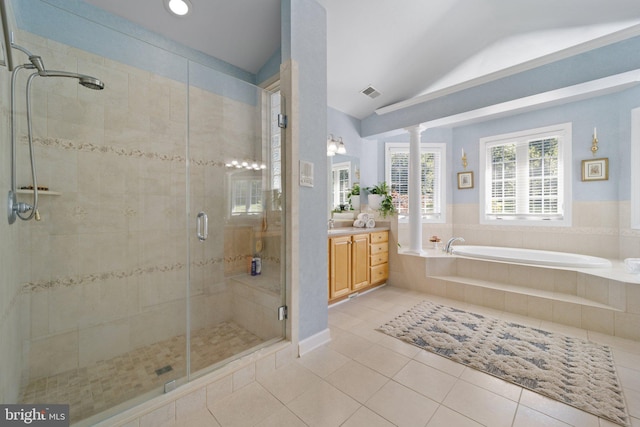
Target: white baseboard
x=313, y=342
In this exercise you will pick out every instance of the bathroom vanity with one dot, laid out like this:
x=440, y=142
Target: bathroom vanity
x=358, y=260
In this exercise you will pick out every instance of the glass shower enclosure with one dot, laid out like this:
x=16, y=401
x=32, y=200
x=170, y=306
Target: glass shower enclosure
x=159, y=256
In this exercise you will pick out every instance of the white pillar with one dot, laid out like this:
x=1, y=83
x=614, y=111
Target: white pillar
x=415, y=216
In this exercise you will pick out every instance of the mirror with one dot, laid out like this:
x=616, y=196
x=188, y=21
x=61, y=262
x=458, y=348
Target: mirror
x=344, y=171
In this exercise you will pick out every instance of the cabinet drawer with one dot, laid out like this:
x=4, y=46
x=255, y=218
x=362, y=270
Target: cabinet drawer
x=379, y=237
x=379, y=273
x=379, y=248
x=379, y=258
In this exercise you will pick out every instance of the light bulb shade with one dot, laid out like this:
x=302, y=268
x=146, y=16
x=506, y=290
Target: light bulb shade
x=332, y=146
x=178, y=7
x=341, y=148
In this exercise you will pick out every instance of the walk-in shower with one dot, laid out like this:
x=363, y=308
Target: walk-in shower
x=113, y=298
x=15, y=209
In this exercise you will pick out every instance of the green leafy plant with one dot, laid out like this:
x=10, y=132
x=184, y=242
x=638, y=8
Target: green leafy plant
x=355, y=191
x=381, y=189
x=386, y=204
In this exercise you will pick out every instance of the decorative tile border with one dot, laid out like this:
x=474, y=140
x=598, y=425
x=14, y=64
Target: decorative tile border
x=67, y=282
x=119, y=151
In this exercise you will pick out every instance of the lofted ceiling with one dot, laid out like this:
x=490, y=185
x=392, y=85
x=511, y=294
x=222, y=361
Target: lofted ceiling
x=421, y=48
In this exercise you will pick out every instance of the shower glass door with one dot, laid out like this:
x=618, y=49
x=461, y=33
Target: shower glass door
x=235, y=219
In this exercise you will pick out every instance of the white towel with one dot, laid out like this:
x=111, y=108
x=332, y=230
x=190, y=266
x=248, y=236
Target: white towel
x=363, y=217
x=358, y=223
x=370, y=223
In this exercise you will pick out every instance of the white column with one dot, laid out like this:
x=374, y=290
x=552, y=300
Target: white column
x=415, y=216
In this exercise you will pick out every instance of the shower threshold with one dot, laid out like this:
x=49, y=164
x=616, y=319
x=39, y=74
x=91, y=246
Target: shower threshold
x=109, y=383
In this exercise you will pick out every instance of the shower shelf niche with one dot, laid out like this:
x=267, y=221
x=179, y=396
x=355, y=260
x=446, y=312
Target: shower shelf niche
x=40, y=192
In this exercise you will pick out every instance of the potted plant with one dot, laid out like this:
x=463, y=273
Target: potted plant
x=380, y=199
x=354, y=197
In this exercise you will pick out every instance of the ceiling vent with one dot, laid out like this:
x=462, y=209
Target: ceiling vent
x=370, y=91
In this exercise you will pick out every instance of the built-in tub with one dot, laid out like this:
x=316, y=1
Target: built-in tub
x=531, y=256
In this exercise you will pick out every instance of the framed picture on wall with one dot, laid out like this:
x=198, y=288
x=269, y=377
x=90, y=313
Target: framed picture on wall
x=465, y=180
x=595, y=170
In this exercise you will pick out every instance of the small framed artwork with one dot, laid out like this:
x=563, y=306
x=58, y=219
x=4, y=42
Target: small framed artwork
x=465, y=180
x=595, y=170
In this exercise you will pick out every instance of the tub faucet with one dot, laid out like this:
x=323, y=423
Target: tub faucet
x=448, y=248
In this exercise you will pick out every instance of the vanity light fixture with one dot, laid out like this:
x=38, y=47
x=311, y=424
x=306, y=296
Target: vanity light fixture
x=335, y=146
x=178, y=7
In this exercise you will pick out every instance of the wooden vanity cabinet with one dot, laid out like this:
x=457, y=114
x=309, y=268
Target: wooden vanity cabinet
x=348, y=269
x=357, y=262
x=379, y=257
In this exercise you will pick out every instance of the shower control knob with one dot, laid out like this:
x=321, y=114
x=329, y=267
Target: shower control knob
x=23, y=207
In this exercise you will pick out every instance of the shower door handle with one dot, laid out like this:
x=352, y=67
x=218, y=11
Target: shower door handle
x=202, y=226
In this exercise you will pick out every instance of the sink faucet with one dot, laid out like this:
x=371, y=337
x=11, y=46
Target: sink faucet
x=331, y=223
x=448, y=248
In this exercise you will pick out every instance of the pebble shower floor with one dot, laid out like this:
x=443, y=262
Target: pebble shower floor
x=107, y=383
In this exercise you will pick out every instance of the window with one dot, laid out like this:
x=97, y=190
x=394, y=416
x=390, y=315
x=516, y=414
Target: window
x=276, y=147
x=526, y=177
x=246, y=196
x=432, y=187
x=341, y=182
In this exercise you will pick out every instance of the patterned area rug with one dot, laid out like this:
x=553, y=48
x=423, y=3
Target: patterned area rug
x=573, y=371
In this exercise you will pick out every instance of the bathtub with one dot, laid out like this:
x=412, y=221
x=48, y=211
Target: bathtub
x=531, y=256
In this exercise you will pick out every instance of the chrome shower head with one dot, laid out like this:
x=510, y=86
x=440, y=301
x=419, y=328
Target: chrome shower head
x=91, y=82
x=84, y=80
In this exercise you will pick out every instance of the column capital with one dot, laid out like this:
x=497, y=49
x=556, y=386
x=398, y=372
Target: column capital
x=415, y=128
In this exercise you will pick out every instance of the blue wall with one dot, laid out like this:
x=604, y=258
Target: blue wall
x=610, y=114
x=607, y=113
x=304, y=25
x=605, y=61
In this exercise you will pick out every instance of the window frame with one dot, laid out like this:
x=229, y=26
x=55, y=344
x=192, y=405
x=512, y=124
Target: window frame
x=563, y=132
x=335, y=183
x=430, y=147
x=253, y=190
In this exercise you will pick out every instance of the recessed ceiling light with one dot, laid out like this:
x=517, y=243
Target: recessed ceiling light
x=178, y=7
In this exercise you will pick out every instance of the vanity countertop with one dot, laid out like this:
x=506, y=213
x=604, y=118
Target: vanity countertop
x=345, y=231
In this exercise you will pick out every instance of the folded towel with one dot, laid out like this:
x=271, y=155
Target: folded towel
x=358, y=223
x=363, y=217
x=370, y=223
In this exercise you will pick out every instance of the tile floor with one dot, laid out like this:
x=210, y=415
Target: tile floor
x=365, y=378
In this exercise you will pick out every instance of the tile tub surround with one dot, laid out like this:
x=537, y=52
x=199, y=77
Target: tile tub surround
x=600, y=228
x=602, y=300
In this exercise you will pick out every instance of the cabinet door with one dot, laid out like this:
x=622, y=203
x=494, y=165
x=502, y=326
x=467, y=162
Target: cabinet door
x=359, y=261
x=340, y=261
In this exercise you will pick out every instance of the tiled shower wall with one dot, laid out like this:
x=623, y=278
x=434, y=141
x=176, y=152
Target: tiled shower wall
x=14, y=267
x=106, y=269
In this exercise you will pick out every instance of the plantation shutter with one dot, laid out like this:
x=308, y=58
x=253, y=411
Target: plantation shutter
x=430, y=177
x=525, y=179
